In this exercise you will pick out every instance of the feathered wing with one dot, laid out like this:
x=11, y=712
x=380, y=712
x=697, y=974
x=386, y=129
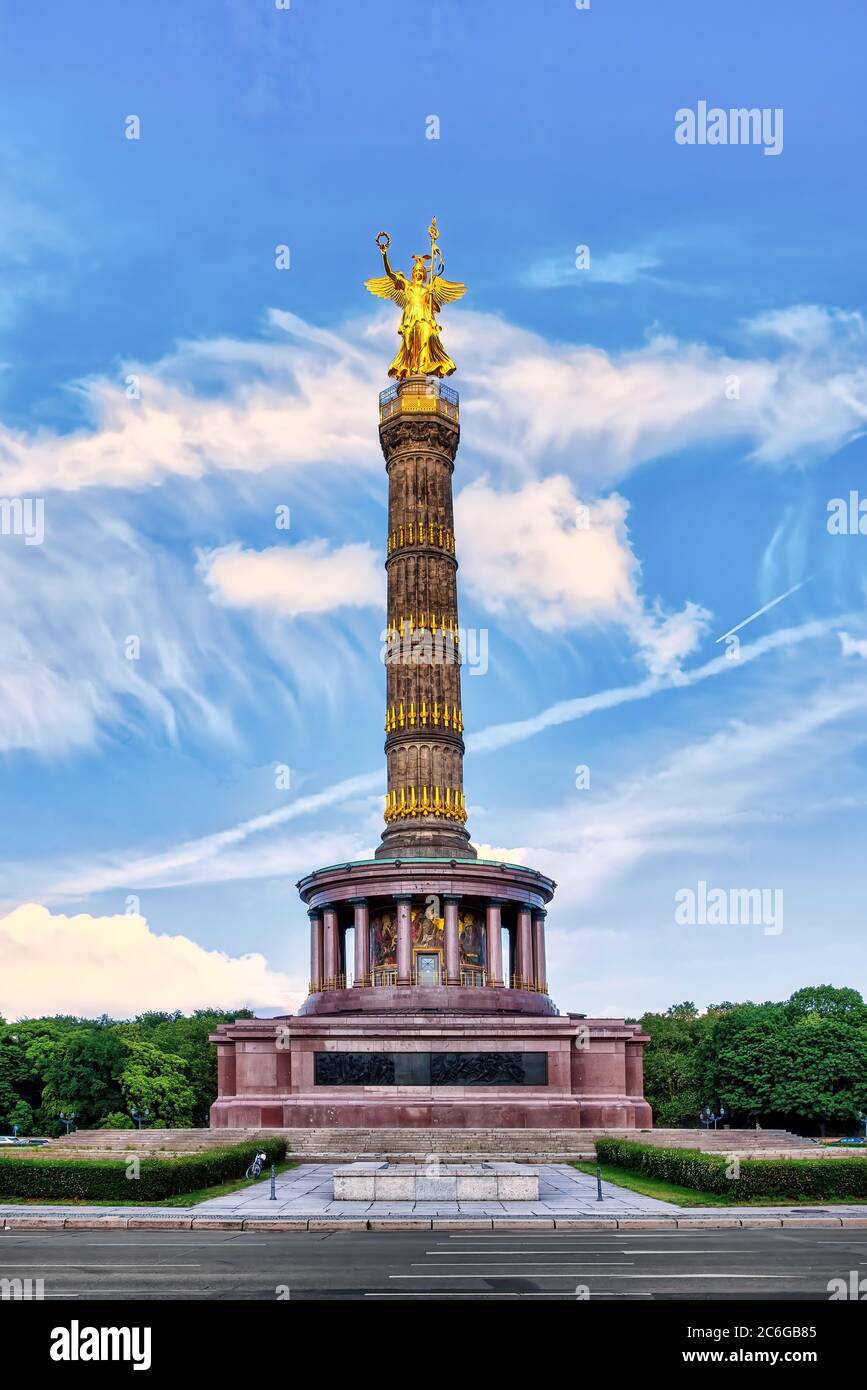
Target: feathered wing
x=447, y=291
x=385, y=288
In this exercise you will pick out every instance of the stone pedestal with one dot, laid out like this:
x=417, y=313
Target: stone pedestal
x=435, y=1182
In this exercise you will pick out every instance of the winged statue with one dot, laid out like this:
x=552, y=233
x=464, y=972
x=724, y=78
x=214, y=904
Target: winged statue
x=420, y=295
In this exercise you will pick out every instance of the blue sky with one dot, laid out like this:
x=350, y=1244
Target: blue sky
x=700, y=390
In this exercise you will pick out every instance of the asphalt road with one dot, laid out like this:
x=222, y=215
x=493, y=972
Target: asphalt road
x=209, y=1265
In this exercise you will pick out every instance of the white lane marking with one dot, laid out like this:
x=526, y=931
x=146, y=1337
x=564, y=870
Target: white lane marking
x=607, y=1276
x=604, y=1250
x=529, y=1264
x=80, y=1264
x=528, y=1293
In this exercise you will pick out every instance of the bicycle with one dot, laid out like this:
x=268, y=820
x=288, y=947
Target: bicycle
x=255, y=1169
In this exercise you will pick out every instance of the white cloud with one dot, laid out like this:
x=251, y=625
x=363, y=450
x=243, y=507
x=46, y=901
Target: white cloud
x=565, y=711
x=707, y=794
x=541, y=553
x=607, y=268
x=67, y=610
x=290, y=580
x=259, y=406
x=119, y=966
x=853, y=646
x=528, y=403
x=219, y=857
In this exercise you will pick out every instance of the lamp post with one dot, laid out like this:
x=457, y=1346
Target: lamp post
x=141, y=1117
x=68, y=1120
x=709, y=1117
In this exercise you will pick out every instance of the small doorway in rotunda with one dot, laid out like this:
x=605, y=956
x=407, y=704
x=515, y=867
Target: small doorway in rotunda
x=428, y=968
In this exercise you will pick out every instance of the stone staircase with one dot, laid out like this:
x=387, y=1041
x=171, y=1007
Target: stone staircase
x=148, y=1143
x=756, y=1143
x=416, y=1145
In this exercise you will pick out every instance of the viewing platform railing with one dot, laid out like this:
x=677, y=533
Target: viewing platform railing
x=419, y=396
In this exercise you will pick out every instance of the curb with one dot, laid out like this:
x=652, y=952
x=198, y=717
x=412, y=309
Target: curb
x=315, y=1224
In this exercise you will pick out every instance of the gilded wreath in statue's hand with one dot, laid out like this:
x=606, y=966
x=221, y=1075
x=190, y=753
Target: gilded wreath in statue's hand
x=383, y=240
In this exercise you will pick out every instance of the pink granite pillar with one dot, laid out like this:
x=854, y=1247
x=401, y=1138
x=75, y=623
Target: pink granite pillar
x=332, y=947
x=453, y=941
x=524, y=970
x=404, y=941
x=495, y=942
x=362, y=947
x=316, y=950
x=635, y=1069
x=225, y=1069
x=541, y=969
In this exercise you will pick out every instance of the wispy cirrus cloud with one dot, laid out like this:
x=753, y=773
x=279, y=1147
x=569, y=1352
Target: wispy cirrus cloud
x=606, y=268
x=227, y=854
x=305, y=403
x=702, y=794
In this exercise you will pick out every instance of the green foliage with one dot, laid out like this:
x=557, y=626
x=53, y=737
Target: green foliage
x=672, y=1079
x=156, y=1082
x=801, y=1063
x=803, y=1060
x=783, y=1178
x=116, y=1120
x=157, y=1178
x=99, y=1068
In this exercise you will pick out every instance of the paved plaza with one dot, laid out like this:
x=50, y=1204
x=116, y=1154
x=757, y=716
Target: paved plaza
x=308, y=1191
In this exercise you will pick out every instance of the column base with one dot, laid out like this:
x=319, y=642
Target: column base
x=435, y=840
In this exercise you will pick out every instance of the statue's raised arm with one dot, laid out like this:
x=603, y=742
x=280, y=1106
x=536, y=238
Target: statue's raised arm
x=391, y=284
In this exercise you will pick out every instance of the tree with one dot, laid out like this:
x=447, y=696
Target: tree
x=828, y=1002
x=672, y=1081
x=822, y=1069
x=156, y=1081
x=81, y=1071
x=116, y=1120
x=187, y=1037
x=738, y=1060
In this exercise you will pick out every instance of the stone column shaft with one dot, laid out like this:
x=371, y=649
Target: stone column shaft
x=316, y=950
x=425, y=809
x=362, y=945
x=495, y=943
x=332, y=948
x=540, y=965
x=404, y=941
x=524, y=964
x=453, y=941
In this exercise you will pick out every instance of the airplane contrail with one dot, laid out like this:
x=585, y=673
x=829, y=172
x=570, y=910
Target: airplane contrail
x=759, y=611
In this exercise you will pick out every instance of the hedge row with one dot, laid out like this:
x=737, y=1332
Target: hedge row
x=787, y=1178
x=116, y=1180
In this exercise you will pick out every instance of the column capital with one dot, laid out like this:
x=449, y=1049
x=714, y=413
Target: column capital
x=403, y=897
x=539, y=911
x=314, y=912
x=360, y=901
x=450, y=897
x=496, y=902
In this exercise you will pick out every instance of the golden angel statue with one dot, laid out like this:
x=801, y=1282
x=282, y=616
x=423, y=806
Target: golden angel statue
x=420, y=296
